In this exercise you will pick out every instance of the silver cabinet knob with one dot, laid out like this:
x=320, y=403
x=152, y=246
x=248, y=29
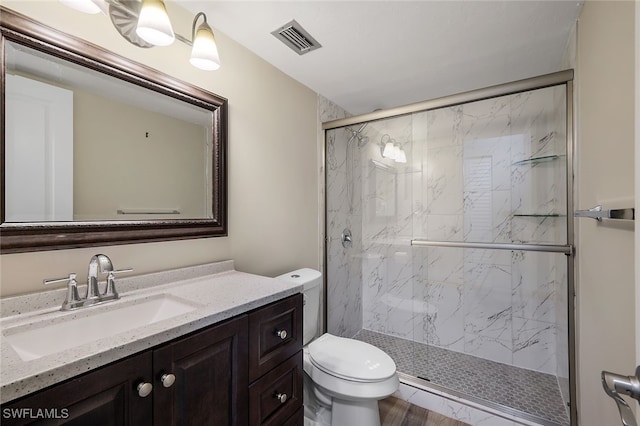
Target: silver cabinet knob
x=167, y=380
x=281, y=334
x=282, y=397
x=144, y=389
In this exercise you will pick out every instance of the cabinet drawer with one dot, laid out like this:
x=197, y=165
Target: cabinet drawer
x=296, y=420
x=278, y=394
x=268, y=345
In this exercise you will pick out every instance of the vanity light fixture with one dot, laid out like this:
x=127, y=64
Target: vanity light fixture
x=154, y=25
x=204, y=53
x=392, y=151
x=145, y=23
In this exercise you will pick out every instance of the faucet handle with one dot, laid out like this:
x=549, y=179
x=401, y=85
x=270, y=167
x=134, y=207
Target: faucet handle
x=111, y=292
x=73, y=299
x=121, y=271
x=59, y=280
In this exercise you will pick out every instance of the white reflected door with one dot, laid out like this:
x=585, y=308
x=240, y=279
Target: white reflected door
x=38, y=151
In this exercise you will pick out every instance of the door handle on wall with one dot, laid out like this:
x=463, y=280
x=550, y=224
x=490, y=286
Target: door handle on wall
x=615, y=384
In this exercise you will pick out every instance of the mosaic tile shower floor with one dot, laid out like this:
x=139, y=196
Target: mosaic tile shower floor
x=534, y=393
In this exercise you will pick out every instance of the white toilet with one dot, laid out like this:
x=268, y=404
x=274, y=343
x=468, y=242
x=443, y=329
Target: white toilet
x=344, y=378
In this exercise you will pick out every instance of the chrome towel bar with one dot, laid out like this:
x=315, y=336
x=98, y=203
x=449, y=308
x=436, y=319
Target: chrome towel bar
x=550, y=248
x=123, y=211
x=598, y=214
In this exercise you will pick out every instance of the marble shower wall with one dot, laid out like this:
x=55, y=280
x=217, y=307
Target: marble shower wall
x=487, y=171
x=343, y=211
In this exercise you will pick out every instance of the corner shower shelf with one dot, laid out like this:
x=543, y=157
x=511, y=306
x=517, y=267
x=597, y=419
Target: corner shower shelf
x=537, y=160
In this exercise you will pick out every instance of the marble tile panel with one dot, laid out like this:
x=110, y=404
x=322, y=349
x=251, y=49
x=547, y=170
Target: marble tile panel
x=487, y=300
x=444, y=127
x=442, y=315
x=536, y=114
x=534, y=345
x=534, y=285
x=445, y=264
x=489, y=347
x=444, y=181
x=443, y=228
x=486, y=119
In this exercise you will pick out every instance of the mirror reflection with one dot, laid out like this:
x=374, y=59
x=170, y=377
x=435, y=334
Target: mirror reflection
x=81, y=145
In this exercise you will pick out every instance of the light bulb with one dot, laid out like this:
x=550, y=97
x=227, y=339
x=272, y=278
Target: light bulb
x=204, y=53
x=401, y=156
x=389, y=151
x=154, y=25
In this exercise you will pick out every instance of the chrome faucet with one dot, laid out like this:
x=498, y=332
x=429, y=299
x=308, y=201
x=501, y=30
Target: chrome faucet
x=99, y=264
x=98, y=261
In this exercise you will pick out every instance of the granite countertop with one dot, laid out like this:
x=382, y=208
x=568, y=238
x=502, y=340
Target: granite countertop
x=216, y=291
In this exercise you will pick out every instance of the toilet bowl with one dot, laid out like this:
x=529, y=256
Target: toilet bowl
x=344, y=378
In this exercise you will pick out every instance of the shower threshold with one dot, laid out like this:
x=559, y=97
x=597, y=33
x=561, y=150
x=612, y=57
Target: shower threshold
x=516, y=391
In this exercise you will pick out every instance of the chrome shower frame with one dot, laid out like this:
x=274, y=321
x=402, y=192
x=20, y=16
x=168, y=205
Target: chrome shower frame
x=554, y=79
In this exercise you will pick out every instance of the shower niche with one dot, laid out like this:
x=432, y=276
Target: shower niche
x=461, y=259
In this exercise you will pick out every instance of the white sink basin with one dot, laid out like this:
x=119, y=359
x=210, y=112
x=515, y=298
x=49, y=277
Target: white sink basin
x=90, y=324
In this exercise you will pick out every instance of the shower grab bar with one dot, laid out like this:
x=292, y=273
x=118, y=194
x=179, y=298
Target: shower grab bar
x=598, y=214
x=566, y=249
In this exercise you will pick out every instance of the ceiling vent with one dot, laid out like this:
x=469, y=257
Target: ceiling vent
x=294, y=36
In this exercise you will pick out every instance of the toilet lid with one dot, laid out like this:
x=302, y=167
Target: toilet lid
x=350, y=359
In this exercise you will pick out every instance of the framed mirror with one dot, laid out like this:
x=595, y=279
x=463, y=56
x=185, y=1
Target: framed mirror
x=99, y=150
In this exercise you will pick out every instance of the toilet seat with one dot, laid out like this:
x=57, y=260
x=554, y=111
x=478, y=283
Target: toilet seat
x=350, y=359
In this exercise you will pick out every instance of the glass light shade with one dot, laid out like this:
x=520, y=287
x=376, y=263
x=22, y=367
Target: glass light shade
x=396, y=152
x=204, y=54
x=401, y=156
x=84, y=6
x=389, y=151
x=154, y=25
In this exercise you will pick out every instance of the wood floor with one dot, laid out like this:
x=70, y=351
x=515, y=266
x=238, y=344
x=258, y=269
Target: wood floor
x=396, y=412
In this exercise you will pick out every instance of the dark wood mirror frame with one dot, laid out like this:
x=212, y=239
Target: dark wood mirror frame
x=40, y=236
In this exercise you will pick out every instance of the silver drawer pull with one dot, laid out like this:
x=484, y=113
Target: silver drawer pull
x=167, y=380
x=282, y=334
x=144, y=389
x=282, y=397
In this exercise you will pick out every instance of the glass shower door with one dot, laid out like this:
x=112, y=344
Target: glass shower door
x=490, y=238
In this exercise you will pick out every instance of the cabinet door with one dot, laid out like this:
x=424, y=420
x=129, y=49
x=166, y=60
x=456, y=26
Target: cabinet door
x=211, y=381
x=104, y=397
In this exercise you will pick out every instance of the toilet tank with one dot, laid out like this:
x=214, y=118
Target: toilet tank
x=312, y=282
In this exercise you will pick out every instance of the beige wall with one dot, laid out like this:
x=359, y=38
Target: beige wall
x=273, y=158
x=605, y=82
x=155, y=162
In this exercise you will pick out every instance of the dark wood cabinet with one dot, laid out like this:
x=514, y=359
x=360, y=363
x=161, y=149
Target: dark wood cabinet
x=104, y=397
x=235, y=373
x=210, y=369
x=275, y=362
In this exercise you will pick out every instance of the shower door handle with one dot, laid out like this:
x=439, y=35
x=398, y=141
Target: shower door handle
x=615, y=384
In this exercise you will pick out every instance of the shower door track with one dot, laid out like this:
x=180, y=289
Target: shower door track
x=549, y=248
x=478, y=403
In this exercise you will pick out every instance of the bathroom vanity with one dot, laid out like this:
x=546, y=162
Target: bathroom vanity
x=235, y=358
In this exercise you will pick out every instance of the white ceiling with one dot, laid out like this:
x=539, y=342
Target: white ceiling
x=382, y=54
